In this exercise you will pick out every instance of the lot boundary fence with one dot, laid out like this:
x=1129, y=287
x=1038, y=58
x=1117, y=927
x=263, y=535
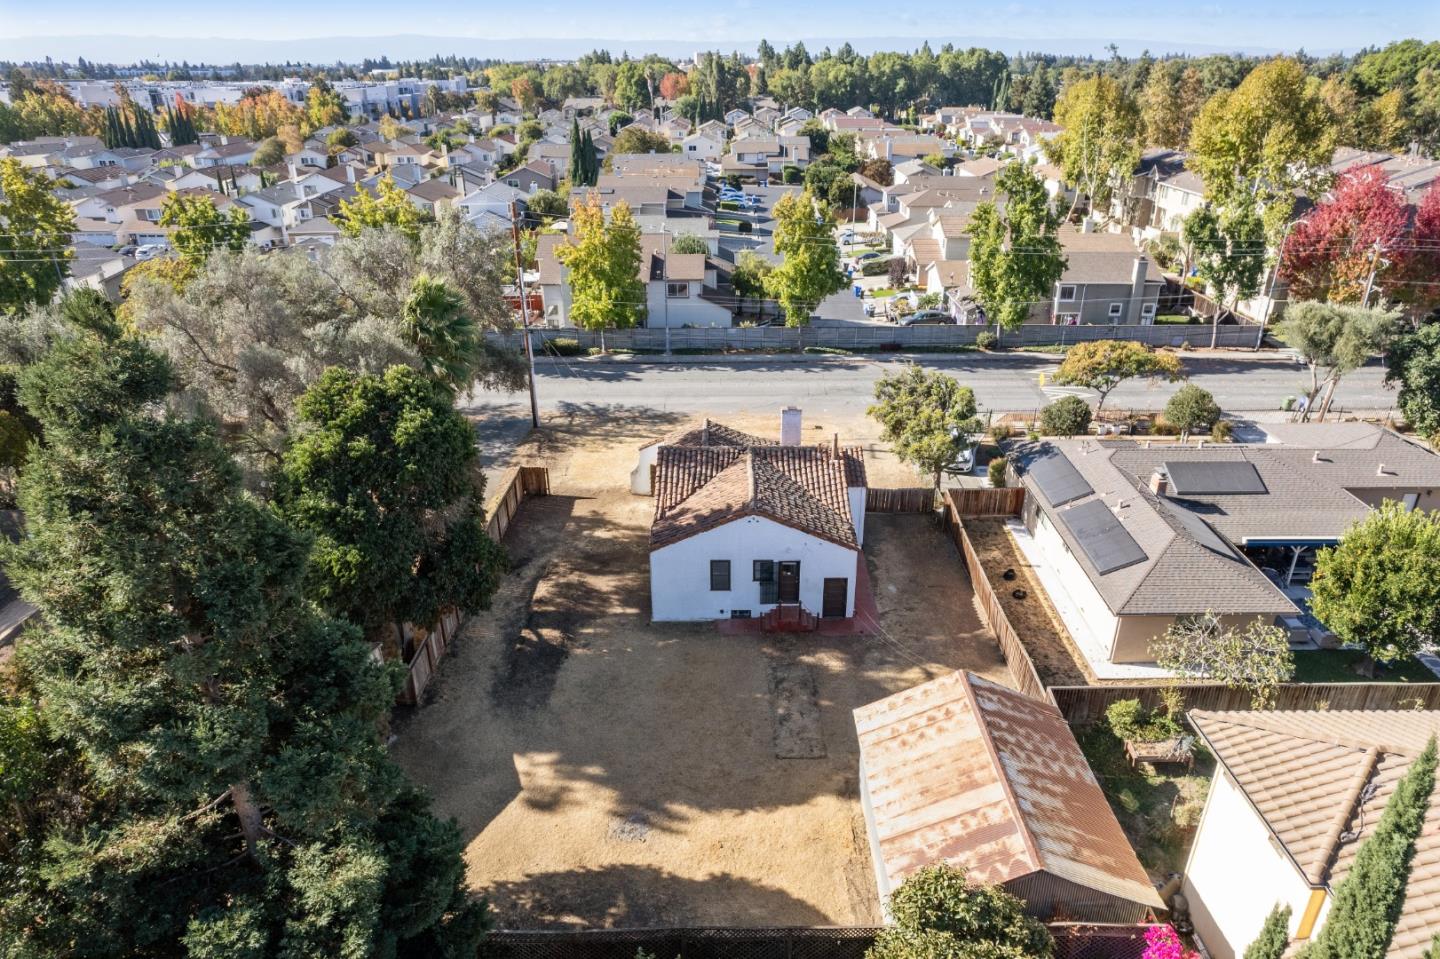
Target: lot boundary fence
x=905, y=499
x=1022, y=667
x=1086, y=704
x=876, y=337
x=1072, y=941
x=516, y=483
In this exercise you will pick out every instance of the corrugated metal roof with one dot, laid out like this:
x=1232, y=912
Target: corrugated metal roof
x=1321, y=780
x=965, y=771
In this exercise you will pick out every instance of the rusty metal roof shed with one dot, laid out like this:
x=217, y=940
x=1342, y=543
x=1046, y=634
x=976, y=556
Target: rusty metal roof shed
x=964, y=771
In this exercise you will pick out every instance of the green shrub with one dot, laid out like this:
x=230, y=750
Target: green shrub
x=1192, y=409
x=1130, y=720
x=875, y=267
x=1067, y=416
x=996, y=472
x=729, y=205
x=790, y=174
x=999, y=433
x=563, y=346
x=986, y=340
x=733, y=179
x=1221, y=431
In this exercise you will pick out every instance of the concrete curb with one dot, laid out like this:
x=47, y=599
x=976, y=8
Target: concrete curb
x=696, y=359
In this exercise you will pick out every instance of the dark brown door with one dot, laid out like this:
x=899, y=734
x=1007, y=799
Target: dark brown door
x=789, y=579
x=836, y=592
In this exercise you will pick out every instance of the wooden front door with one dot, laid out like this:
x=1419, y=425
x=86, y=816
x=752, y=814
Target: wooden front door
x=836, y=593
x=788, y=575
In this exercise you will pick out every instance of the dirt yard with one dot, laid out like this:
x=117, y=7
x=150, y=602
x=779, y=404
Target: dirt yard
x=1035, y=621
x=609, y=772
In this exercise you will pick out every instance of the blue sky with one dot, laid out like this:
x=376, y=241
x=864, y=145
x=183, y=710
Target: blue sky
x=1267, y=24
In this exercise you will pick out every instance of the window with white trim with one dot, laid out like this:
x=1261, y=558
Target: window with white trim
x=677, y=291
x=1147, y=309
x=1116, y=309
x=1066, y=294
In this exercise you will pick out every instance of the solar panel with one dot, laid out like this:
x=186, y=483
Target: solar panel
x=1103, y=539
x=1057, y=478
x=1200, y=531
x=1207, y=477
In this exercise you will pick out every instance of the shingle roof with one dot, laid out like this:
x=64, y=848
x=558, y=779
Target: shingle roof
x=701, y=488
x=1320, y=780
x=1181, y=574
x=709, y=433
x=968, y=772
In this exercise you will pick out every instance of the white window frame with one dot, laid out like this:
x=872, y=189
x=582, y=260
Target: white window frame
x=677, y=289
x=1147, y=309
x=1116, y=311
x=1060, y=293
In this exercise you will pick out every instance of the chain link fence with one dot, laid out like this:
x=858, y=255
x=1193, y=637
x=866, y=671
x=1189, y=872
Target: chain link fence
x=1072, y=941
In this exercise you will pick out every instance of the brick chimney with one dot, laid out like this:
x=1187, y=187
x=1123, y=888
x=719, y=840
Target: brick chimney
x=1159, y=483
x=790, y=426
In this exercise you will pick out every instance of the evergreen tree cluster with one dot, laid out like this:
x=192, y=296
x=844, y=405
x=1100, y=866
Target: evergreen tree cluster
x=180, y=127
x=132, y=127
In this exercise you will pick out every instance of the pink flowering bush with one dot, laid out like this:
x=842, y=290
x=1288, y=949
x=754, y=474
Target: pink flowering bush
x=1163, y=942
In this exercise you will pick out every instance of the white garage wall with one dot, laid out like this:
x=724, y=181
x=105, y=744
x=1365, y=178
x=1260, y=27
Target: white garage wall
x=1236, y=874
x=1082, y=592
x=680, y=572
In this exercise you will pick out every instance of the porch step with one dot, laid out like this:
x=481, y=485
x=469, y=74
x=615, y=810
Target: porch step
x=788, y=619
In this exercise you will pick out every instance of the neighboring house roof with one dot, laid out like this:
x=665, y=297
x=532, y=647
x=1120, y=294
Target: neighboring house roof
x=701, y=488
x=433, y=190
x=1174, y=563
x=964, y=771
x=1099, y=258
x=709, y=433
x=1320, y=781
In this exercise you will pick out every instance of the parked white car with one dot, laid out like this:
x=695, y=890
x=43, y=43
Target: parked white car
x=149, y=251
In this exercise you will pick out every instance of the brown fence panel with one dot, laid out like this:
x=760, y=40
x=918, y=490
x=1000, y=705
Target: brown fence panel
x=515, y=484
x=1072, y=941
x=1007, y=501
x=1021, y=666
x=1086, y=704
x=905, y=499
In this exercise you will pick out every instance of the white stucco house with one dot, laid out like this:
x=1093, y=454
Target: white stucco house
x=1295, y=795
x=741, y=529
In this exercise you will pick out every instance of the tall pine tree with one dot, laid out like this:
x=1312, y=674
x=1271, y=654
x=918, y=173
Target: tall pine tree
x=232, y=795
x=1274, y=936
x=577, y=155
x=1369, y=899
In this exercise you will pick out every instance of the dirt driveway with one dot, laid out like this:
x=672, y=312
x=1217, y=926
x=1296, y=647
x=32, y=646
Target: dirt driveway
x=610, y=772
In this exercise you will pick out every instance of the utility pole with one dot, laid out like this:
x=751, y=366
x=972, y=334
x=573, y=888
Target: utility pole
x=1370, y=278
x=524, y=312
x=665, y=280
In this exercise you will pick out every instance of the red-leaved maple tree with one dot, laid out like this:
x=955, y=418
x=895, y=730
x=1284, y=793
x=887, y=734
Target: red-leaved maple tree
x=1328, y=254
x=1418, y=282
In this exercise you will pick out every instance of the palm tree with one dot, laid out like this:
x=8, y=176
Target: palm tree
x=436, y=324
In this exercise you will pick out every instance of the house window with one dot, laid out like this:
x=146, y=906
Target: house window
x=677, y=291
x=740, y=614
x=1115, y=310
x=764, y=574
x=1067, y=293
x=1147, y=309
x=719, y=575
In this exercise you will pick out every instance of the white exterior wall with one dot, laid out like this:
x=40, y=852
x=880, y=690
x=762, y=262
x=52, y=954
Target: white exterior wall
x=1081, y=591
x=680, y=572
x=640, y=475
x=857, y=511
x=1236, y=874
x=682, y=311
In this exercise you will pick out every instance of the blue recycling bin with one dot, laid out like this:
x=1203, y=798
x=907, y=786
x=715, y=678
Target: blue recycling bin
x=859, y=291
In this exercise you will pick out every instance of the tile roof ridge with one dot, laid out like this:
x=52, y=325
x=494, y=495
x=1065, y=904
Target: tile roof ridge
x=1362, y=775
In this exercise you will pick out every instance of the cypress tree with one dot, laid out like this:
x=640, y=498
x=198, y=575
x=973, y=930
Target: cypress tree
x=234, y=795
x=1274, y=936
x=1369, y=899
x=578, y=169
x=1434, y=951
x=592, y=161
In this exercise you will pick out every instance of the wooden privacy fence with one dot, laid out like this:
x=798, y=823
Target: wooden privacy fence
x=420, y=648
x=1072, y=941
x=1007, y=501
x=1021, y=666
x=904, y=499
x=1086, y=704
x=516, y=483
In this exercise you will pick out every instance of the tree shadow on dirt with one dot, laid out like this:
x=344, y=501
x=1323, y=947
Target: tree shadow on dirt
x=634, y=896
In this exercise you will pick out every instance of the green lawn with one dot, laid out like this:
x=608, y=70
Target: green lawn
x=1158, y=808
x=1337, y=666
x=1179, y=319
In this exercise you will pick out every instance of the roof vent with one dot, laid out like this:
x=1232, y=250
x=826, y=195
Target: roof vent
x=1160, y=483
x=1380, y=469
x=1315, y=457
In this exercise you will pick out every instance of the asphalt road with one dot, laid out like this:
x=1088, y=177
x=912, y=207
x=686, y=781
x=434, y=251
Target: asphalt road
x=1241, y=383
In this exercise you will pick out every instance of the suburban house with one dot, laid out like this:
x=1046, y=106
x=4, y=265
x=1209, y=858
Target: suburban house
x=1127, y=537
x=230, y=153
x=431, y=196
x=765, y=156
x=1295, y=796
x=1107, y=280
x=703, y=146
x=679, y=287
x=964, y=771
x=535, y=175
x=742, y=528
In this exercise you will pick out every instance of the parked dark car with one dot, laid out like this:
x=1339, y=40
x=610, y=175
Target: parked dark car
x=927, y=316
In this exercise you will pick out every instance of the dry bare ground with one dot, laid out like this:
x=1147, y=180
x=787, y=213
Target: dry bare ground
x=606, y=771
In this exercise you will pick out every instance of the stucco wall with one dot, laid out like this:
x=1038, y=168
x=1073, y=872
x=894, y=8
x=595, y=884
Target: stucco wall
x=857, y=511
x=1236, y=874
x=1426, y=499
x=1077, y=584
x=683, y=311
x=1133, y=637
x=640, y=475
x=680, y=572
